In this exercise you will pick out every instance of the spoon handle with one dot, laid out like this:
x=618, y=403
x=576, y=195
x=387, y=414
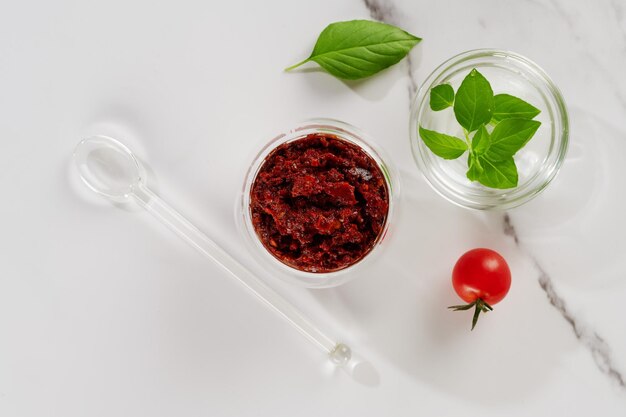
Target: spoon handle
x=176, y=222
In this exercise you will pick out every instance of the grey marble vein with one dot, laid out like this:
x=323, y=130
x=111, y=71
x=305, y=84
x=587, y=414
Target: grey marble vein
x=537, y=3
x=599, y=348
x=617, y=92
x=620, y=15
x=381, y=10
x=617, y=8
x=385, y=11
x=595, y=343
x=509, y=229
x=563, y=13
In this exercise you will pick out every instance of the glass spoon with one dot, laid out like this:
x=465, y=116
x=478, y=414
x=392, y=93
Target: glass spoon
x=110, y=169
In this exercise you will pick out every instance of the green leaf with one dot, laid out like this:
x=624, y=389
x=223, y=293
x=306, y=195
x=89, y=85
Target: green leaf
x=441, y=97
x=498, y=174
x=490, y=160
x=509, y=136
x=473, y=104
x=359, y=48
x=462, y=307
x=510, y=107
x=445, y=146
x=481, y=140
x=475, y=169
x=477, y=311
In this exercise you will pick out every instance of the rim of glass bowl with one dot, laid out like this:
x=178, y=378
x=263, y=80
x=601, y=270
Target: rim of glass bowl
x=287, y=273
x=488, y=199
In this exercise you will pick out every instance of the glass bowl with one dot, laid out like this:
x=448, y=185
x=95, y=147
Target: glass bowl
x=288, y=273
x=538, y=162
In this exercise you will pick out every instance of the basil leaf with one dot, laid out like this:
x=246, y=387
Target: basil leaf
x=441, y=97
x=445, y=146
x=509, y=136
x=498, y=174
x=475, y=169
x=359, y=48
x=473, y=104
x=510, y=107
x=481, y=140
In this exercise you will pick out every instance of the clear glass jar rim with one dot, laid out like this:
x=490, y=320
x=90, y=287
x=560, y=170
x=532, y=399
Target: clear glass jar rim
x=485, y=202
x=344, y=131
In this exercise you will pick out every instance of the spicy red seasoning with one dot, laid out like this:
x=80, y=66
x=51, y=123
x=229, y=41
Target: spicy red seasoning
x=319, y=203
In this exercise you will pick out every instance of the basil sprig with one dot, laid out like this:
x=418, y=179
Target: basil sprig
x=359, y=48
x=490, y=160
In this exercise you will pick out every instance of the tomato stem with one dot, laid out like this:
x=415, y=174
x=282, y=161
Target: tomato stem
x=479, y=307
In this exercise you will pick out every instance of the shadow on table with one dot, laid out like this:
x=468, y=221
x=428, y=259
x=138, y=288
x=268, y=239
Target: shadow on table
x=400, y=305
x=582, y=211
x=374, y=88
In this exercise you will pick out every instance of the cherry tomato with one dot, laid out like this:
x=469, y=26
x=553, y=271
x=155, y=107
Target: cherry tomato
x=481, y=277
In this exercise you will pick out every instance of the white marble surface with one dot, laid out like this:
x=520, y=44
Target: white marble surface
x=103, y=312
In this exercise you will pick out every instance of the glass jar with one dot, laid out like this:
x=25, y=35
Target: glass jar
x=538, y=162
x=288, y=273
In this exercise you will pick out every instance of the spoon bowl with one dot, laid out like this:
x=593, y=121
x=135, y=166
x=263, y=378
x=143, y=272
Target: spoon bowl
x=108, y=167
